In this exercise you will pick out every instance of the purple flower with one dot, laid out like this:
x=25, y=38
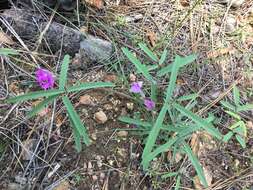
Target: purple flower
x=44, y=78
x=149, y=104
x=136, y=87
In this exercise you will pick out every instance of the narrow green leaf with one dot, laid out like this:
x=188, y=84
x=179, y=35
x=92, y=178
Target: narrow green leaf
x=64, y=72
x=41, y=105
x=178, y=182
x=91, y=85
x=236, y=95
x=145, y=48
x=77, y=137
x=198, y=120
x=160, y=149
x=233, y=114
x=241, y=140
x=246, y=107
x=34, y=95
x=228, y=105
x=153, y=135
x=180, y=62
x=154, y=92
x=135, y=122
x=8, y=51
x=196, y=164
x=228, y=136
x=76, y=120
x=173, y=79
x=170, y=174
x=163, y=57
x=139, y=66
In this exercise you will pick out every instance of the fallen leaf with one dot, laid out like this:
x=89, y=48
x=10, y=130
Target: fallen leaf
x=197, y=183
x=195, y=143
x=152, y=38
x=4, y=38
x=208, y=175
x=96, y=3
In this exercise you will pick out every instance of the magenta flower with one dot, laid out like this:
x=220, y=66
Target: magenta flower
x=149, y=104
x=136, y=87
x=45, y=78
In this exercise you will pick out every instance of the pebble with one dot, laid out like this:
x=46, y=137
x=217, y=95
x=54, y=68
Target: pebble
x=132, y=77
x=86, y=100
x=234, y=3
x=102, y=175
x=122, y=133
x=130, y=106
x=231, y=24
x=94, y=178
x=100, y=117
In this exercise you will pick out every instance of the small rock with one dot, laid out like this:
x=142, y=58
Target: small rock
x=94, y=136
x=130, y=106
x=100, y=117
x=99, y=163
x=122, y=133
x=102, y=175
x=233, y=3
x=86, y=100
x=132, y=77
x=94, y=178
x=134, y=18
x=110, y=78
x=90, y=170
x=231, y=24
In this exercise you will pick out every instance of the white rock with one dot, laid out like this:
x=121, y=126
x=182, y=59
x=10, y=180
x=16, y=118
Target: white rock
x=100, y=117
x=231, y=24
x=86, y=100
x=234, y=3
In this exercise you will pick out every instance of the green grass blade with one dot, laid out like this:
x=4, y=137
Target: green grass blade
x=246, y=107
x=162, y=148
x=153, y=135
x=139, y=66
x=178, y=181
x=145, y=48
x=236, y=95
x=173, y=79
x=34, y=95
x=234, y=115
x=180, y=61
x=154, y=92
x=77, y=137
x=196, y=164
x=8, y=51
x=135, y=122
x=240, y=140
x=171, y=174
x=199, y=121
x=40, y=106
x=228, y=136
x=228, y=105
x=76, y=120
x=64, y=71
x=163, y=57
x=87, y=86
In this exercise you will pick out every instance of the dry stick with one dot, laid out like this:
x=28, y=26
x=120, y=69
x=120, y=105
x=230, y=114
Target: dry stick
x=46, y=28
x=219, y=98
